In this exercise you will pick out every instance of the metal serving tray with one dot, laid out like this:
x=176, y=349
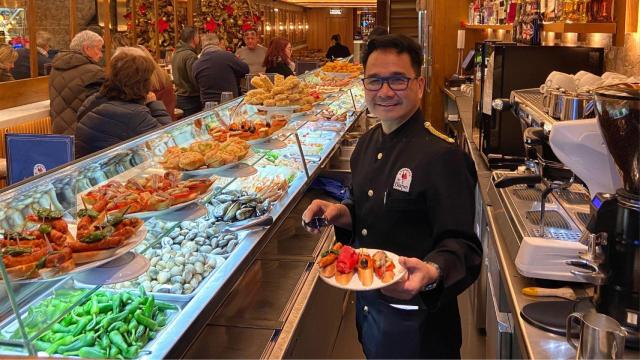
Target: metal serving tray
x=10, y=325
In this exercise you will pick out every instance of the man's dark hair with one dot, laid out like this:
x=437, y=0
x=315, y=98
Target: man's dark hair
x=336, y=38
x=401, y=44
x=188, y=33
x=377, y=31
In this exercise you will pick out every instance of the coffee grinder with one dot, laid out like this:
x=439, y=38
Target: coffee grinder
x=615, y=222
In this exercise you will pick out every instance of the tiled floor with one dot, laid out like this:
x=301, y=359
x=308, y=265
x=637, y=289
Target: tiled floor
x=348, y=347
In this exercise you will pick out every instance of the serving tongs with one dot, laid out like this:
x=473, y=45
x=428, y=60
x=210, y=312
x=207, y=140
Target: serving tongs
x=255, y=223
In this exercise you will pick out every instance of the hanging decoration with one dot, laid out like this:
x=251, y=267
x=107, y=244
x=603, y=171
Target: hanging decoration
x=147, y=26
x=228, y=19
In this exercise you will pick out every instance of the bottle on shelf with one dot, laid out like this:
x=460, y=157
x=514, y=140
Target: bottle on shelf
x=511, y=12
x=551, y=12
x=582, y=10
x=601, y=11
x=569, y=10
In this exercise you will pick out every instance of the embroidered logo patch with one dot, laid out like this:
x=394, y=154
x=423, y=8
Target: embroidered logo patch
x=403, y=180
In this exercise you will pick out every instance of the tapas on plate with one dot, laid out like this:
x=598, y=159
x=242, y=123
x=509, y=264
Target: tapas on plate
x=249, y=130
x=205, y=155
x=50, y=247
x=289, y=91
x=146, y=193
x=374, y=268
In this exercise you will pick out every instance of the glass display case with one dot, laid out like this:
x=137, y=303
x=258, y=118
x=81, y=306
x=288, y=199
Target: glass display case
x=126, y=281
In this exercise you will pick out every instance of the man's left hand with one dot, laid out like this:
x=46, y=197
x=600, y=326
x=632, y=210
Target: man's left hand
x=419, y=274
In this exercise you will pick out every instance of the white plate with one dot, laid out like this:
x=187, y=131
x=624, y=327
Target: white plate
x=356, y=285
x=290, y=108
x=338, y=75
x=215, y=170
x=131, y=243
x=150, y=214
x=124, y=268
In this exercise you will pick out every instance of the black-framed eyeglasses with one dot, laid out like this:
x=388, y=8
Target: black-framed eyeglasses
x=396, y=82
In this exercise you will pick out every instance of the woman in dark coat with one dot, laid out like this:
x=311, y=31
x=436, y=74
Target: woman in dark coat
x=278, y=58
x=124, y=107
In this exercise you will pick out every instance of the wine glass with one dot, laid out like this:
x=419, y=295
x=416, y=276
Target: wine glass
x=226, y=96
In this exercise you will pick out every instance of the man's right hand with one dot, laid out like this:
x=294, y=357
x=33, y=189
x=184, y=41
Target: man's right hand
x=336, y=214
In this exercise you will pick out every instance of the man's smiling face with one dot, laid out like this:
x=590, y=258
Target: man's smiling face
x=386, y=103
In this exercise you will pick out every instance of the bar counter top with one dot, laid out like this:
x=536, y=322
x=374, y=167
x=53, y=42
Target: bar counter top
x=19, y=114
x=534, y=343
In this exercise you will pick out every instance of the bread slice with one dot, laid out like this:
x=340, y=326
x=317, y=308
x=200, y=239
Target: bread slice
x=343, y=279
x=365, y=276
x=387, y=276
x=329, y=270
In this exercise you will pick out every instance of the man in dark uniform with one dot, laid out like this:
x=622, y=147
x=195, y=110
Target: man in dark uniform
x=412, y=194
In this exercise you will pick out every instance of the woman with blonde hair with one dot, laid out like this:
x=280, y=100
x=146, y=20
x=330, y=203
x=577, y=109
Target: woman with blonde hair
x=161, y=85
x=8, y=57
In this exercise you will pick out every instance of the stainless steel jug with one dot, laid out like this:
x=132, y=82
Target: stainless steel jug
x=601, y=337
x=577, y=106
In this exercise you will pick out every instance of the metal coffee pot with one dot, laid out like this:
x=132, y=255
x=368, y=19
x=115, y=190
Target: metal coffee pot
x=601, y=337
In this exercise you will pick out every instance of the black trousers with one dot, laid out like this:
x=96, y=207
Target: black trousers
x=189, y=104
x=387, y=332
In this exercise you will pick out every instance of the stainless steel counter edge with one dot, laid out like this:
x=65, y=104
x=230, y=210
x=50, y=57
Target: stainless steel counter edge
x=297, y=310
x=534, y=342
x=238, y=259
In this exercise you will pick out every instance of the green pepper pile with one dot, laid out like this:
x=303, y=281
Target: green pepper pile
x=108, y=325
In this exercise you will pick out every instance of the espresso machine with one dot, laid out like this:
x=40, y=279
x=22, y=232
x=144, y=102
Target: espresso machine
x=612, y=261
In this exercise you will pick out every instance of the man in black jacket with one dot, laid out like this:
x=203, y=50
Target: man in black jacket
x=337, y=50
x=217, y=70
x=186, y=54
x=412, y=194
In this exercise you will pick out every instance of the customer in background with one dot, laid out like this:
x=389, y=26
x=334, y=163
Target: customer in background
x=124, y=107
x=75, y=76
x=412, y=193
x=119, y=40
x=278, y=59
x=8, y=57
x=182, y=62
x=22, y=69
x=217, y=70
x=161, y=85
x=252, y=53
x=337, y=50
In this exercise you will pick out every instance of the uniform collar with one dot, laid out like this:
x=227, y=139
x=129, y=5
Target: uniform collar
x=413, y=125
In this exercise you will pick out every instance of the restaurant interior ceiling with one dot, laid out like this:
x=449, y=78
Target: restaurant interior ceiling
x=333, y=3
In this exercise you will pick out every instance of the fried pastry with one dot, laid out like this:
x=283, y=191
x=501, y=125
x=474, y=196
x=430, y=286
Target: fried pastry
x=204, y=146
x=191, y=160
x=278, y=80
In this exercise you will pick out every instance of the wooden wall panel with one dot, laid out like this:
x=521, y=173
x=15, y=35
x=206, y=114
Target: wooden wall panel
x=22, y=92
x=447, y=16
x=322, y=26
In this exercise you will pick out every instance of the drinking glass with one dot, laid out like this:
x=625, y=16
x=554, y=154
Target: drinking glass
x=226, y=96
